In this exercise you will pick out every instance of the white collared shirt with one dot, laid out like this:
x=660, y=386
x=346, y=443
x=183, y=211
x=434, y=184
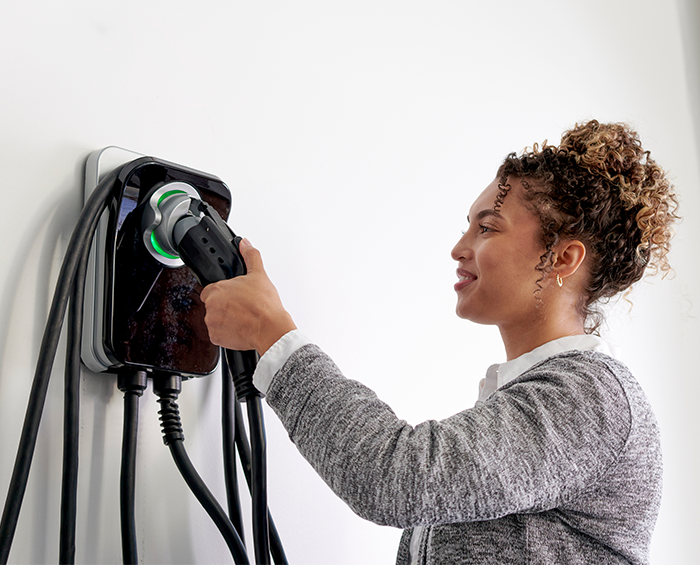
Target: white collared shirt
x=500, y=374
x=275, y=357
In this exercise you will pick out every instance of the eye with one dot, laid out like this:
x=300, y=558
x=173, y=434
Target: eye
x=484, y=229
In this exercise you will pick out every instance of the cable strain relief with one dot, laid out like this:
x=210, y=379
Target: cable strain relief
x=244, y=387
x=170, y=421
x=131, y=381
x=167, y=388
x=242, y=366
x=167, y=384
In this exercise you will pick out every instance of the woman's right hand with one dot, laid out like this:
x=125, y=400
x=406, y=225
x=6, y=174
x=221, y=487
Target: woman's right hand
x=246, y=312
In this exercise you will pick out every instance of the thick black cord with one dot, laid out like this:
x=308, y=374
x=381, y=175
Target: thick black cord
x=71, y=416
x=229, y=449
x=244, y=455
x=81, y=238
x=167, y=390
x=207, y=500
x=132, y=384
x=242, y=366
x=261, y=533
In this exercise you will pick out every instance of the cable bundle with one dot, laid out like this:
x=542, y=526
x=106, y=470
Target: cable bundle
x=74, y=263
x=70, y=289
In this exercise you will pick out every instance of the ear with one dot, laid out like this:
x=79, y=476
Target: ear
x=568, y=258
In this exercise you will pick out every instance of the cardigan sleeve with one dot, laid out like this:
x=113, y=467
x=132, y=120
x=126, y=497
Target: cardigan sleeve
x=541, y=440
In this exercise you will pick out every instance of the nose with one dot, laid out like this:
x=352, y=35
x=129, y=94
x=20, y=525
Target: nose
x=461, y=249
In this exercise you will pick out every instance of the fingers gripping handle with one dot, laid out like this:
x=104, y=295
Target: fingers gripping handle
x=210, y=249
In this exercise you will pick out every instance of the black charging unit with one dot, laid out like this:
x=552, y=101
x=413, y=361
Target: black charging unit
x=150, y=316
x=142, y=319
x=165, y=239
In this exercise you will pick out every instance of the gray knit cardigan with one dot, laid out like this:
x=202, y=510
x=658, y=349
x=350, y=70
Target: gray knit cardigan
x=560, y=465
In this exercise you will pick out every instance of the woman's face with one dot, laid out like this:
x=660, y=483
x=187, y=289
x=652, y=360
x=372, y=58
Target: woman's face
x=497, y=259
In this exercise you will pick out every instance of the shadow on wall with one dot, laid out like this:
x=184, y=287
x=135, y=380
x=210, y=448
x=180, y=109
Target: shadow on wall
x=689, y=13
x=47, y=245
x=58, y=216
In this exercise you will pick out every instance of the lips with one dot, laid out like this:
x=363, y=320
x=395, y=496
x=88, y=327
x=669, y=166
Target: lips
x=465, y=279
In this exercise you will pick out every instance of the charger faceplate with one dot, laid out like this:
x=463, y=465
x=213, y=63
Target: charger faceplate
x=142, y=306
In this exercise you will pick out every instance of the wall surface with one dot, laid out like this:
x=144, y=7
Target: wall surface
x=354, y=136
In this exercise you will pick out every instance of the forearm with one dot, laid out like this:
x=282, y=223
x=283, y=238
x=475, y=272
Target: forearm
x=386, y=470
x=480, y=464
x=344, y=431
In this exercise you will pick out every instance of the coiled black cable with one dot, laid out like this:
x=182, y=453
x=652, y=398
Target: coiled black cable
x=80, y=239
x=167, y=388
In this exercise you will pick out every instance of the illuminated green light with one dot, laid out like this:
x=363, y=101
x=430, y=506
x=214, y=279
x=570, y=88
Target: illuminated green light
x=159, y=249
x=170, y=193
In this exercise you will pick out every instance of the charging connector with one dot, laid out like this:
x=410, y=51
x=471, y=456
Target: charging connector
x=179, y=227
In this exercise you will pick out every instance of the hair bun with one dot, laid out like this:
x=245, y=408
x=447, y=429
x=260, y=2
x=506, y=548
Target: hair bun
x=613, y=151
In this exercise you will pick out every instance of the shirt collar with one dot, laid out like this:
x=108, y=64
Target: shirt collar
x=500, y=374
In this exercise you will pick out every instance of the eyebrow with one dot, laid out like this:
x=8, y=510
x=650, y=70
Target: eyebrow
x=489, y=212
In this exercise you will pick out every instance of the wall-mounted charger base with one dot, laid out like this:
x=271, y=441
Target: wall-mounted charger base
x=139, y=313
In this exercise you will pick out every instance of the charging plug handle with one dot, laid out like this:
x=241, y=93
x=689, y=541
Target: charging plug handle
x=211, y=255
x=210, y=249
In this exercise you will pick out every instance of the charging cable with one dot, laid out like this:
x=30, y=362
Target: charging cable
x=77, y=249
x=71, y=416
x=132, y=384
x=229, y=430
x=179, y=228
x=167, y=388
x=241, y=372
x=244, y=454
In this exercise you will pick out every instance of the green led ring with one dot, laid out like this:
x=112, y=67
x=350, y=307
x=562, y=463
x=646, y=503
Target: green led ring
x=161, y=201
x=154, y=241
x=169, y=193
x=159, y=249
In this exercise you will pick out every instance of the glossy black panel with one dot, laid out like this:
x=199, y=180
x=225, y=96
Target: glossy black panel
x=154, y=316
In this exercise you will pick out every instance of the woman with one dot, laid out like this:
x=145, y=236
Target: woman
x=559, y=461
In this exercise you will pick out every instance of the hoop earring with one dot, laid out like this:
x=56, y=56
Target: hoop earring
x=560, y=282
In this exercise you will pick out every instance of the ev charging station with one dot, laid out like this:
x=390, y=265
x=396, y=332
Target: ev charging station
x=152, y=234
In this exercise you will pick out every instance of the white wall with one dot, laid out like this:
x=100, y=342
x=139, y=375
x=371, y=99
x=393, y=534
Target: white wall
x=354, y=136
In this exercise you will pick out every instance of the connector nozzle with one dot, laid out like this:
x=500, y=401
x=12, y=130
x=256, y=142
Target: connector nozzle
x=164, y=209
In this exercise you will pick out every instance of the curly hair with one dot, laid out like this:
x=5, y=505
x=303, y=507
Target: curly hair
x=601, y=187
